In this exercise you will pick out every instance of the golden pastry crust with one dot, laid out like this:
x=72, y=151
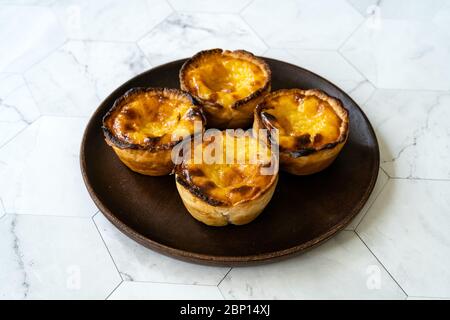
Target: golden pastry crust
x=313, y=127
x=228, y=84
x=221, y=193
x=145, y=124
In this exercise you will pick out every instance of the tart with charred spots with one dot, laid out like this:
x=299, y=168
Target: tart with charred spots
x=312, y=128
x=145, y=124
x=228, y=84
x=226, y=178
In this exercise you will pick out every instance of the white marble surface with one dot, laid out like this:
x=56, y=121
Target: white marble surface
x=17, y=106
x=28, y=34
x=413, y=243
x=196, y=31
x=136, y=263
x=342, y=268
x=79, y=76
x=109, y=19
x=59, y=59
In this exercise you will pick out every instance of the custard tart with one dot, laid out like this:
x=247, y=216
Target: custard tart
x=145, y=124
x=312, y=128
x=228, y=84
x=232, y=189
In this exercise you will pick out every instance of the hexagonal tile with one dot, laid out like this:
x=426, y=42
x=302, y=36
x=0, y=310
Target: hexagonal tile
x=342, y=268
x=195, y=32
x=164, y=291
x=442, y=17
x=401, y=54
x=138, y=263
x=28, y=2
x=2, y=209
x=30, y=33
x=330, y=65
x=41, y=171
x=398, y=9
x=81, y=73
x=407, y=229
x=230, y=6
x=17, y=107
x=109, y=19
x=303, y=24
x=412, y=130
x=54, y=258
x=426, y=298
x=382, y=179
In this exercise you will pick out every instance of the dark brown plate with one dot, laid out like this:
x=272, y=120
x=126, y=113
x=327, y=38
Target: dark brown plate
x=303, y=212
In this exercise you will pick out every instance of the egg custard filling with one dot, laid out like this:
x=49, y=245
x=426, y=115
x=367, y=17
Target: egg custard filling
x=305, y=119
x=225, y=77
x=228, y=171
x=151, y=119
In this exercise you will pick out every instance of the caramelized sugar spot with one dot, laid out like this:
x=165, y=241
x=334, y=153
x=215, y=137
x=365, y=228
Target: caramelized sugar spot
x=303, y=121
x=230, y=183
x=224, y=79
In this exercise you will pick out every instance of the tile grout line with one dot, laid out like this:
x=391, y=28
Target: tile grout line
x=226, y=274
x=254, y=31
x=107, y=249
x=19, y=132
x=154, y=27
x=419, y=179
x=173, y=283
x=47, y=215
x=245, y=7
x=373, y=202
x=381, y=168
x=45, y=57
x=170, y=5
x=359, y=71
x=221, y=293
x=144, y=55
x=390, y=275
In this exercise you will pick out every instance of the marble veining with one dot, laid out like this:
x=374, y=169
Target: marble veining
x=197, y=31
x=410, y=237
x=29, y=34
x=412, y=128
x=17, y=106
